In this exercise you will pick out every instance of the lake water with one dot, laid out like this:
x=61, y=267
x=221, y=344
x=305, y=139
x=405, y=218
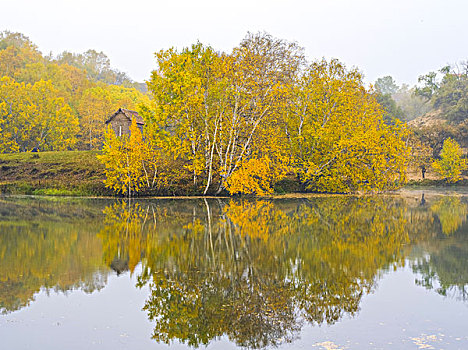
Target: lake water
x=333, y=273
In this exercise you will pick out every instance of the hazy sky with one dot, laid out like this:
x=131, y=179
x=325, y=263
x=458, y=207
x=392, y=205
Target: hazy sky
x=402, y=38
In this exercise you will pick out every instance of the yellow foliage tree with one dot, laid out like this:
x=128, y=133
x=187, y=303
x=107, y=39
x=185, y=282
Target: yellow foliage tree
x=241, y=121
x=221, y=109
x=254, y=177
x=75, y=88
x=33, y=117
x=451, y=164
x=98, y=103
x=337, y=138
x=124, y=158
x=94, y=107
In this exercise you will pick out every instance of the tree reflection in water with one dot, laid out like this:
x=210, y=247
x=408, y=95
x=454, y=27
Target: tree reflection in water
x=255, y=270
x=444, y=267
x=47, y=244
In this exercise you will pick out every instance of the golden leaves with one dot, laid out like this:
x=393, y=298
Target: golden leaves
x=33, y=116
x=338, y=140
x=241, y=121
x=57, y=104
x=450, y=165
x=254, y=177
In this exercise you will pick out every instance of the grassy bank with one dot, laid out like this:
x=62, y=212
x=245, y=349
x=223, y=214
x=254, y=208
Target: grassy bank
x=79, y=173
x=67, y=173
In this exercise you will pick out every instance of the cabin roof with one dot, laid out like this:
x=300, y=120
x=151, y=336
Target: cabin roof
x=129, y=114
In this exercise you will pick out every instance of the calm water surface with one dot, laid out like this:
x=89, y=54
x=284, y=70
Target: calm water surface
x=383, y=272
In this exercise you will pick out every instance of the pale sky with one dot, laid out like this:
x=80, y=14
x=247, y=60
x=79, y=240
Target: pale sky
x=401, y=38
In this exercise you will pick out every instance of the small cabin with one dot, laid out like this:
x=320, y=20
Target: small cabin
x=121, y=121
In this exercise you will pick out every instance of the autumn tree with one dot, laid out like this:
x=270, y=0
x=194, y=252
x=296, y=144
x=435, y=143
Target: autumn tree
x=94, y=108
x=224, y=109
x=451, y=164
x=87, y=86
x=336, y=134
x=241, y=121
x=191, y=91
x=97, y=66
x=125, y=159
x=16, y=53
x=33, y=117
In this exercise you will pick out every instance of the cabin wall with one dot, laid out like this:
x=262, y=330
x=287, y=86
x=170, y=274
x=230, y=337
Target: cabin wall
x=120, y=122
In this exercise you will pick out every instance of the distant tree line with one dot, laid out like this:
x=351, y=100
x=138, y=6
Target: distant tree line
x=437, y=112
x=57, y=103
x=240, y=121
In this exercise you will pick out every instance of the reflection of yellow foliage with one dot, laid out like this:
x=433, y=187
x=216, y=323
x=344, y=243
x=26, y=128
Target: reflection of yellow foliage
x=328, y=345
x=52, y=252
x=422, y=341
x=258, y=219
x=195, y=227
x=258, y=265
x=451, y=213
x=122, y=236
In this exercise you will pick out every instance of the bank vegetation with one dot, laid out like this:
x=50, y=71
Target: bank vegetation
x=244, y=121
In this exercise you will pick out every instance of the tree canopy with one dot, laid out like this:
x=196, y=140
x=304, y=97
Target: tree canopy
x=57, y=103
x=451, y=164
x=447, y=91
x=241, y=121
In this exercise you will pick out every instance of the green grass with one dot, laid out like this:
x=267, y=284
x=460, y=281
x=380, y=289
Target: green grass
x=56, y=192
x=80, y=173
x=80, y=158
x=65, y=173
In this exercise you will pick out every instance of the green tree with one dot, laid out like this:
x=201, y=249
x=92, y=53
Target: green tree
x=429, y=87
x=386, y=85
x=452, y=96
x=447, y=92
x=413, y=106
x=390, y=107
x=384, y=89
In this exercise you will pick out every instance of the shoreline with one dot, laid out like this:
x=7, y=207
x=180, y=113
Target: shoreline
x=407, y=191
x=79, y=174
